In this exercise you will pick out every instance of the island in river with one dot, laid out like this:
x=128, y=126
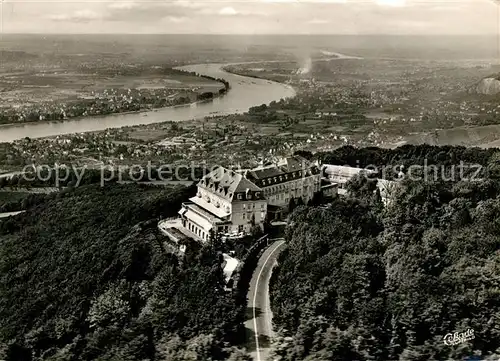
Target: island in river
x=122, y=91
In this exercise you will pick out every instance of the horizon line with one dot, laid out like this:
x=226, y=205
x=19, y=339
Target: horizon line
x=260, y=34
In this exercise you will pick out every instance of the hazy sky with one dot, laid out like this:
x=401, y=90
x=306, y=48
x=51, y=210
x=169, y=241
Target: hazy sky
x=252, y=16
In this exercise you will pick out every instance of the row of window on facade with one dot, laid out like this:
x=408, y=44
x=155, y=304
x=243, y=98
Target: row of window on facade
x=251, y=206
x=298, y=189
x=285, y=198
x=241, y=196
x=281, y=197
x=225, y=229
x=282, y=178
x=197, y=230
x=248, y=216
x=293, y=186
x=216, y=202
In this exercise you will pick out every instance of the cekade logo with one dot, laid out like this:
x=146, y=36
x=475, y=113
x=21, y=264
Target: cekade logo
x=456, y=338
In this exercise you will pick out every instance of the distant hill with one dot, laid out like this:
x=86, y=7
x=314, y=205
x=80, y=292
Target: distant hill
x=489, y=85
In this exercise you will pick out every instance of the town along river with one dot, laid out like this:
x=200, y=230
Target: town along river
x=245, y=93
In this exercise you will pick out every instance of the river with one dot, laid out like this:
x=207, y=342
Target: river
x=245, y=93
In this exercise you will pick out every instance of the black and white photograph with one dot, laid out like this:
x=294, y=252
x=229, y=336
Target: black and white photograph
x=252, y=180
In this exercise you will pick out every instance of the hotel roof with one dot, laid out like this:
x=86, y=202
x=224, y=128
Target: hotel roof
x=342, y=171
x=226, y=183
x=209, y=210
x=265, y=172
x=284, y=166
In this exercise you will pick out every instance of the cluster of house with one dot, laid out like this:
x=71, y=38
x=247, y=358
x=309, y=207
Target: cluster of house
x=231, y=203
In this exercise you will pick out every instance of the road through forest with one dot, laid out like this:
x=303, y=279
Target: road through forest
x=259, y=320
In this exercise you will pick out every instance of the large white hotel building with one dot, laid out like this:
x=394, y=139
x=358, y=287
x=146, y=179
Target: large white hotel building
x=233, y=202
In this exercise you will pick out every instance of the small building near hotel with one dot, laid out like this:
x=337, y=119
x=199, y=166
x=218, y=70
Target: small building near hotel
x=329, y=189
x=341, y=175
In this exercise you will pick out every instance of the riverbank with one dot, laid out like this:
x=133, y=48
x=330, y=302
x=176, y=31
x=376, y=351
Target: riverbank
x=203, y=97
x=143, y=112
x=242, y=96
x=332, y=56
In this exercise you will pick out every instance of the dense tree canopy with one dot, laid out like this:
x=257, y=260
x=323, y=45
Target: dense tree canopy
x=362, y=282
x=85, y=274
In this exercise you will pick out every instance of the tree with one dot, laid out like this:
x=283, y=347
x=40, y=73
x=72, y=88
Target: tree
x=304, y=154
x=238, y=355
x=132, y=292
x=256, y=231
x=493, y=167
x=110, y=309
x=299, y=202
x=380, y=278
x=361, y=187
x=317, y=199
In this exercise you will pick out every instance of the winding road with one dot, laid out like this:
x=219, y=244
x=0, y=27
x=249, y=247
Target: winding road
x=259, y=324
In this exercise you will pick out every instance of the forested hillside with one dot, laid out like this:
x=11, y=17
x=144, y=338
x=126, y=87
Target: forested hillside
x=362, y=282
x=84, y=276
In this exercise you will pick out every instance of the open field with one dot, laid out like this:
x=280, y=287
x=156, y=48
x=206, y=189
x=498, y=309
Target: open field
x=487, y=136
x=46, y=78
x=383, y=101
